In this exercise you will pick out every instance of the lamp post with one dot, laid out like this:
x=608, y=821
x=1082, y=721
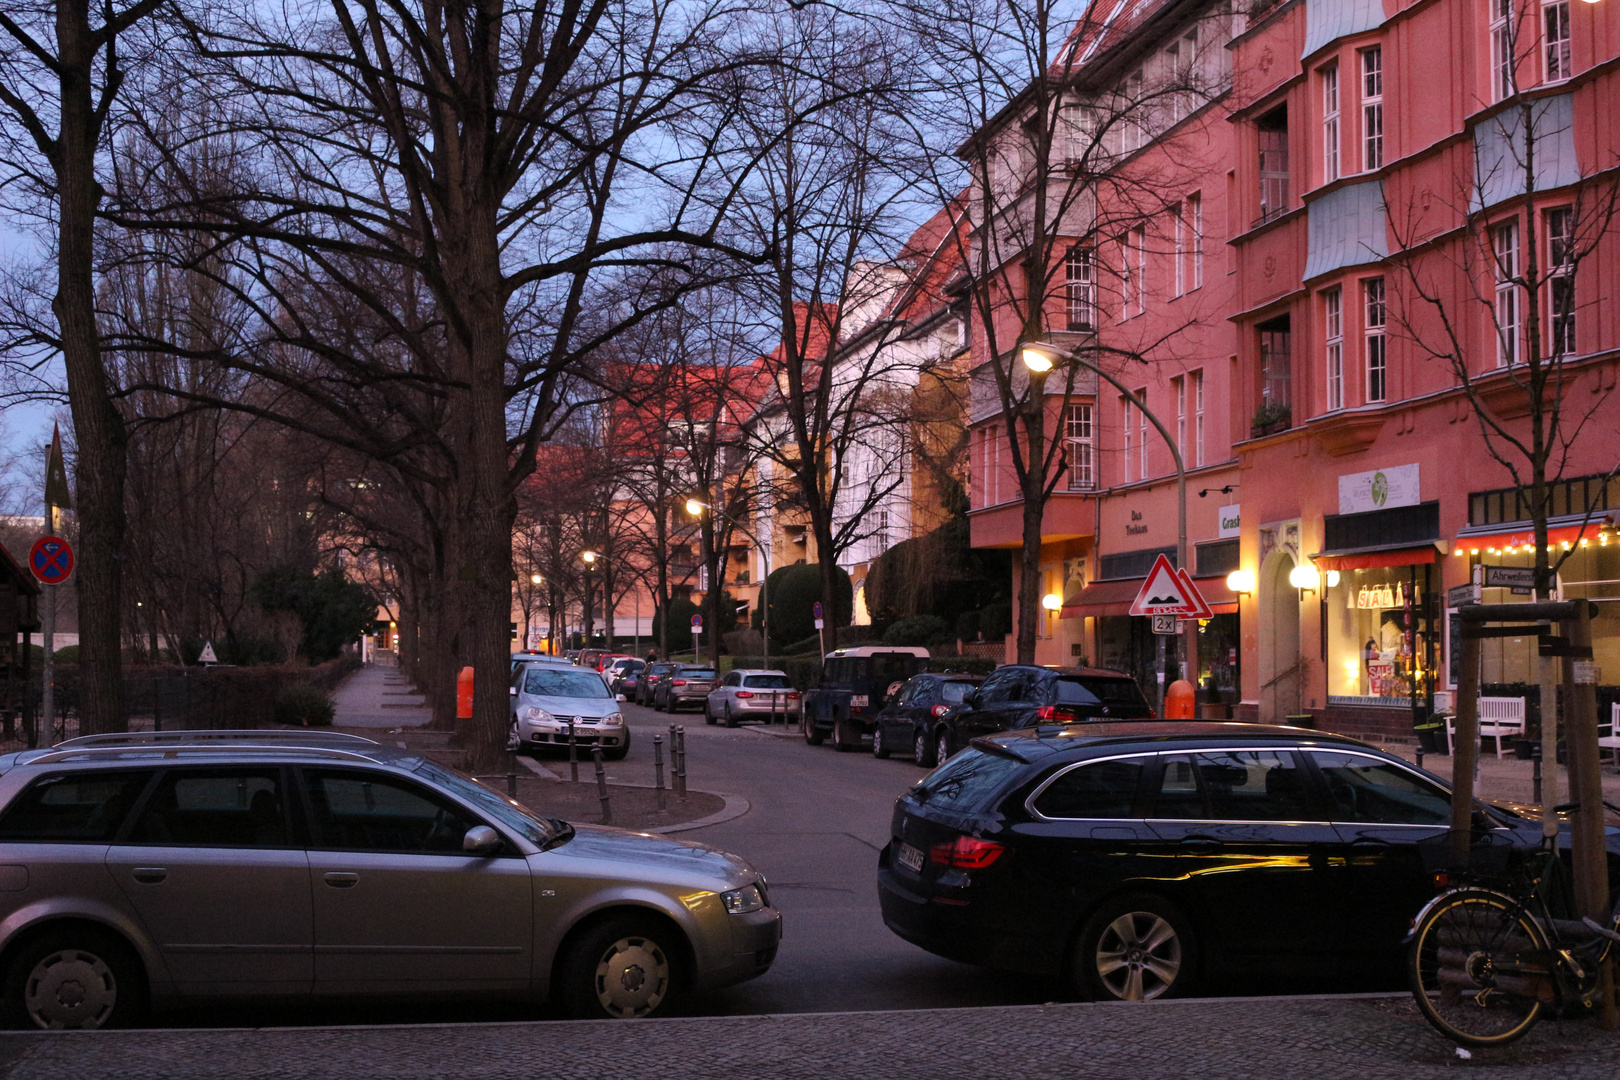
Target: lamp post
x=1041, y=357
x=697, y=507
x=588, y=617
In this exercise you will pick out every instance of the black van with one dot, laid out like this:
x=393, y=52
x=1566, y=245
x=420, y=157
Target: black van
x=854, y=684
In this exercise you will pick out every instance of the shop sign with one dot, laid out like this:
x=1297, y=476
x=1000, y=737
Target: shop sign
x=1230, y=522
x=1374, y=597
x=1586, y=672
x=1380, y=489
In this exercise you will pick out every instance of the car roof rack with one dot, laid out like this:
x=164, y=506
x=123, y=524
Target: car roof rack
x=167, y=750
x=186, y=736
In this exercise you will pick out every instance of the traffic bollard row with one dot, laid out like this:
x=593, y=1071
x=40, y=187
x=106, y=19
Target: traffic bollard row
x=601, y=786
x=658, y=769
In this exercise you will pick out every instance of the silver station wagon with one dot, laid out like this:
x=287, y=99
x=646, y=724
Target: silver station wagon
x=144, y=870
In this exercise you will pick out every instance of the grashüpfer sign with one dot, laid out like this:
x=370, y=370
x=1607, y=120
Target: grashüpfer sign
x=51, y=560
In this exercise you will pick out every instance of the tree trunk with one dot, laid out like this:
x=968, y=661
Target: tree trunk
x=1029, y=579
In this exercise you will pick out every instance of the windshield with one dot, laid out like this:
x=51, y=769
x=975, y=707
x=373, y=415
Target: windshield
x=966, y=780
x=767, y=682
x=953, y=693
x=513, y=815
x=571, y=684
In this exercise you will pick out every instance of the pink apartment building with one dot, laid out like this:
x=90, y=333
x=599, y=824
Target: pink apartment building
x=1402, y=211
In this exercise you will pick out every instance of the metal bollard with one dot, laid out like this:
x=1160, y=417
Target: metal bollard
x=658, y=768
x=680, y=763
x=1535, y=773
x=573, y=752
x=601, y=786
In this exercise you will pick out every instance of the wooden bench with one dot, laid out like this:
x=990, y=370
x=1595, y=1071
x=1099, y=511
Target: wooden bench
x=1607, y=739
x=1499, y=719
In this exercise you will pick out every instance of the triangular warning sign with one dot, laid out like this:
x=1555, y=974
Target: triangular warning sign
x=1162, y=593
x=207, y=655
x=1198, y=607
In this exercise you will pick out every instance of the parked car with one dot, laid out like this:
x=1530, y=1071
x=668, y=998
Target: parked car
x=546, y=698
x=623, y=674
x=592, y=658
x=572, y=655
x=922, y=719
x=751, y=694
x=607, y=660
x=520, y=658
x=1022, y=695
x=1135, y=859
x=687, y=684
x=853, y=686
x=651, y=676
x=150, y=869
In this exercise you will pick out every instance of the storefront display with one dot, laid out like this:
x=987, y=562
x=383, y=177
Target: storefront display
x=1377, y=633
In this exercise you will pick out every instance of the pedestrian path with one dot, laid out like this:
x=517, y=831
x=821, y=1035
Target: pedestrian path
x=378, y=696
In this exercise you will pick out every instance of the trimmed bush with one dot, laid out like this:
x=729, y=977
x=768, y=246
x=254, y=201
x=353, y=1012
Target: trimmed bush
x=996, y=620
x=967, y=626
x=917, y=630
x=303, y=704
x=794, y=591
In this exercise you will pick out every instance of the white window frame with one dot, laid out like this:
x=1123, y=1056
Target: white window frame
x=1139, y=236
x=1196, y=202
x=1179, y=223
x=1127, y=277
x=1198, y=416
x=1505, y=267
x=1180, y=384
x=1080, y=287
x=1330, y=123
x=1555, y=52
x=1559, y=226
x=1504, y=81
x=1142, y=429
x=1079, y=433
x=1333, y=326
x=1372, y=108
x=1375, y=341
x=1125, y=426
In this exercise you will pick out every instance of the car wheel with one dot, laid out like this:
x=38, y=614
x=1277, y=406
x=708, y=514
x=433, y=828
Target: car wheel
x=942, y=746
x=922, y=749
x=617, y=753
x=1134, y=948
x=845, y=739
x=731, y=721
x=624, y=968
x=708, y=714
x=79, y=978
x=812, y=735
x=879, y=751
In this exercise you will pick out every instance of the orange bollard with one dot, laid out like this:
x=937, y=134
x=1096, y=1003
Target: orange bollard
x=1178, y=701
x=464, y=685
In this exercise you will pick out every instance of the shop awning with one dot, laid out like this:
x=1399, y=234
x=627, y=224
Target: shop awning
x=1115, y=597
x=1526, y=537
x=1372, y=558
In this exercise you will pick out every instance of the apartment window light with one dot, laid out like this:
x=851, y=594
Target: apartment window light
x=1372, y=108
x=1555, y=40
x=1333, y=322
x=1505, y=249
x=1330, y=123
x=1376, y=315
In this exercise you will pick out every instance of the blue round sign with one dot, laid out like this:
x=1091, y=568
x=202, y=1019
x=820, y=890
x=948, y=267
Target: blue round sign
x=697, y=622
x=51, y=560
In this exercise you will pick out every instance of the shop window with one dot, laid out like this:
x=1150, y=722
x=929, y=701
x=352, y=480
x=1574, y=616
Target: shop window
x=1219, y=558
x=1376, y=634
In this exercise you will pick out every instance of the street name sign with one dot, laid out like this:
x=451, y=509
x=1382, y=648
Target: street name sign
x=1510, y=577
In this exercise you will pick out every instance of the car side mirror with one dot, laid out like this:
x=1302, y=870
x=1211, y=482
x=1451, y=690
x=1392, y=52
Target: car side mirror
x=619, y=697
x=481, y=840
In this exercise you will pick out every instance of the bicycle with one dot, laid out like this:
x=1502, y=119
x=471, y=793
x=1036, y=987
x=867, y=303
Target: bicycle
x=1488, y=956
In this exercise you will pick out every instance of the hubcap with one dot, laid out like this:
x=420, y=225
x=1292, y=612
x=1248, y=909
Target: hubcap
x=1138, y=956
x=919, y=749
x=70, y=989
x=632, y=978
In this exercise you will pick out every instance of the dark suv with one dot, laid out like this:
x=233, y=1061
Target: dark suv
x=1160, y=853
x=854, y=684
x=1021, y=695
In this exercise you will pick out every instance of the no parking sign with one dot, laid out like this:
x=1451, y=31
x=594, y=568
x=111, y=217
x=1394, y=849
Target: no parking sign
x=51, y=560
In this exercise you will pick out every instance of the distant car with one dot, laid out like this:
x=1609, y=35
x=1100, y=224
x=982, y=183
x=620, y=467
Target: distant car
x=520, y=658
x=688, y=684
x=591, y=658
x=921, y=720
x=546, y=697
x=1022, y=695
x=622, y=676
x=751, y=694
x=186, y=867
x=853, y=686
x=607, y=660
x=572, y=656
x=651, y=676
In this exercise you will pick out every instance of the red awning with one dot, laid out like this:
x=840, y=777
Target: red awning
x=1115, y=597
x=1368, y=560
x=1221, y=600
x=1562, y=534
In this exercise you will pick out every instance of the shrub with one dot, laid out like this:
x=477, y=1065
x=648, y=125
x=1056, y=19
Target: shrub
x=303, y=704
x=996, y=620
x=967, y=626
x=793, y=592
x=68, y=654
x=917, y=630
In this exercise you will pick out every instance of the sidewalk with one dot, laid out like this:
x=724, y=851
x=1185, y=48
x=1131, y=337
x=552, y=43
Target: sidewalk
x=1507, y=779
x=1372, y=1037
x=377, y=696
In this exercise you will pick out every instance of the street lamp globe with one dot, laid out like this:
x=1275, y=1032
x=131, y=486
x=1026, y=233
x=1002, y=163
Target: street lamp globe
x=535, y=579
x=1037, y=360
x=588, y=556
x=1052, y=602
x=1304, y=576
x=1241, y=581
x=696, y=508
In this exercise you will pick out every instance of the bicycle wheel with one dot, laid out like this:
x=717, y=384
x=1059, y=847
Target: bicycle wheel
x=1478, y=969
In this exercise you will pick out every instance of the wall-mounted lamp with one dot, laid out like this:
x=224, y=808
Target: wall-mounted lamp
x=1241, y=582
x=1332, y=579
x=1305, y=578
x=1227, y=490
x=1052, y=602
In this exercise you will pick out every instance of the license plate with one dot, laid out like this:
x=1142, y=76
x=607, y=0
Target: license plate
x=858, y=701
x=909, y=857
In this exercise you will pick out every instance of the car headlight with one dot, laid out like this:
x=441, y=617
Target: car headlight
x=742, y=901
x=613, y=719
x=536, y=715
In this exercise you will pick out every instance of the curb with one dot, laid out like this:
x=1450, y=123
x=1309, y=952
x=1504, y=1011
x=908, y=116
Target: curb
x=736, y=806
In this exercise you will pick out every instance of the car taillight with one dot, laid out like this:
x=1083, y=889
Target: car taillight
x=966, y=853
x=677, y=682
x=745, y=693
x=941, y=710
x=793, y=697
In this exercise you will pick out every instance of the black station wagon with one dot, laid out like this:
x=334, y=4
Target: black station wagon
x=1134, y=859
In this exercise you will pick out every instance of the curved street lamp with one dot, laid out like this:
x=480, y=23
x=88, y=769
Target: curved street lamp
x=697, y=508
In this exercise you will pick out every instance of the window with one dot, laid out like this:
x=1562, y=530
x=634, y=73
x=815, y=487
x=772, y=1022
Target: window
x=1502, y=35
x=1333, y=323
x=1128, y=429
x=1106, y=789
x=989, y=466
x=1195, y=214
x=1127, y=277
x=1330, y=123
x=76, y=808
x=1505, y=252
x=235, y=808
x=1078, y=433
x=1555, y=39
x=1253, y=785
x=362, y=811
x=1372, y=108
x=1178, y=795
x=1365, y=789
x=1081, y=288
x=1273, y=131
x=1179, y=224
x=1373, y=341
x=1142, y=431
x=1198, y=417
x=1180, y=384
x=1276, y=366
x=1561, y=284
x=1138, y=239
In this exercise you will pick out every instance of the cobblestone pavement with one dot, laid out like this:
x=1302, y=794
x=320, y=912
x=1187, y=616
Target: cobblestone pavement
x=1319, y=1038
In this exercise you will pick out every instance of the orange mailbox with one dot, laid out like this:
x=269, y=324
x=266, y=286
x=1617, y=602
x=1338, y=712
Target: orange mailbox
x=464, y=684
x=1178, y=701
